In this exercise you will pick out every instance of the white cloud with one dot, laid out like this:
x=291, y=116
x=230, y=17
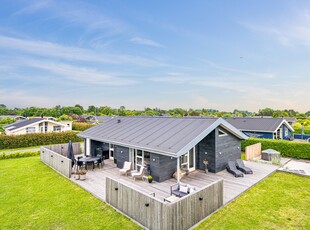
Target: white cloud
x=34, y=7
x=20, y=98
x=144, y=41
x=79, y=74
x=293, y=32
x=54, y=50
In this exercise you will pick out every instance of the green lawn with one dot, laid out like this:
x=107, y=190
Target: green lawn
x=282, y=201
x=33, y=196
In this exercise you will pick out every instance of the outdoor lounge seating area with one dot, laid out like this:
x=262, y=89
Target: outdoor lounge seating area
x=181, y=189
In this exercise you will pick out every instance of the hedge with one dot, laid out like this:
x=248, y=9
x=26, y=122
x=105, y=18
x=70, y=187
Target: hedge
x=287, y=148
x=36, y=139
x=306, y=130
x=18, y=155
x=80, y=126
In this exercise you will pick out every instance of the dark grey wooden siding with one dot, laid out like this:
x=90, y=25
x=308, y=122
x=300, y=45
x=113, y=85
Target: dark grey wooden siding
x=218, y=150
x=227, y=148
x=206, y=151
x=162, y=167
x=121, y=154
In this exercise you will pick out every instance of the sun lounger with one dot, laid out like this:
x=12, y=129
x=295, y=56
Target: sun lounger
x=240, y=165
x=231, y=168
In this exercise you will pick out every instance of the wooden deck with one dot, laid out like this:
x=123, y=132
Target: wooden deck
x=233, y=187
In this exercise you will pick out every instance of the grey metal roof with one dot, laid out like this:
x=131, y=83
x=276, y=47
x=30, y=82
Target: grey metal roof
x=171, y=136
x=22, y=123
x=257, y=124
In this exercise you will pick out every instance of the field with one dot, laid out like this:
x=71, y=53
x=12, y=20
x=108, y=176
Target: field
x=33, y=196
x=280, y=201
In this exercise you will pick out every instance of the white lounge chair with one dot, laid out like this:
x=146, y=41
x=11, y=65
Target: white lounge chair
x=135, y=174
x=126, y=168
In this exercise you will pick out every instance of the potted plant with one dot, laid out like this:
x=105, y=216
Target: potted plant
x=205, y=162
x=83, y=174
x=150, y=178
x=77, y=175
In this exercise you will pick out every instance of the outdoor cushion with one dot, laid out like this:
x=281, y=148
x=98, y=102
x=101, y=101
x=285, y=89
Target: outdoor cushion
x=183, y=189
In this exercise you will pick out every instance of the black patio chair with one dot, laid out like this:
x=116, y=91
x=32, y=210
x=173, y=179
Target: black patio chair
x=79, y=163
x=231, y=168
x=100, y=161
x=240, y=165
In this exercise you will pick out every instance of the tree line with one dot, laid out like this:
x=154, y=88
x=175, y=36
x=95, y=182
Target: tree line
x=78, y=110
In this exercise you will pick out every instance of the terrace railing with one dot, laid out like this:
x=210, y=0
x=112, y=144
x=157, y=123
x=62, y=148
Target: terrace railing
x=55, y=156
x=155, y=214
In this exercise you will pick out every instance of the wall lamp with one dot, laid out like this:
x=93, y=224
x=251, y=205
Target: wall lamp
x=116, y=189
x=147, y=204
x=201, y=198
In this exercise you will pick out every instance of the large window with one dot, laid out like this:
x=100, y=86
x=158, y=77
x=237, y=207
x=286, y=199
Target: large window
x=57, y=128
x=31, y=130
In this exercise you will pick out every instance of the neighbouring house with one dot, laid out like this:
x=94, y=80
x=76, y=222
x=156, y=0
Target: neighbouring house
x=166, y=145
x=271, y=128
x=17, y=118
x=97, y=119
x=37, y=125
x=291, y=120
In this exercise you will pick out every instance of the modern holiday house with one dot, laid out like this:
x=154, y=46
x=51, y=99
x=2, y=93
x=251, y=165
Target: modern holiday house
x=166, y=145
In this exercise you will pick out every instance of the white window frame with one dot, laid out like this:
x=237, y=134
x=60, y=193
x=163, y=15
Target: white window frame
x=223, y=134
x=30, y=129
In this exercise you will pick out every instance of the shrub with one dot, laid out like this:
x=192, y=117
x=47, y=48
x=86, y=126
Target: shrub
x=306, y=130
x=81, y=126
x=18, y=155
x=287, y=148
x=36, y=139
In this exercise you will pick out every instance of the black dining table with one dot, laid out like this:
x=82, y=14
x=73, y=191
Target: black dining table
x=88, y=160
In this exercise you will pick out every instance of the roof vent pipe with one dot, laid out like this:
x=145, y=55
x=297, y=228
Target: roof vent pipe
x=118, y=120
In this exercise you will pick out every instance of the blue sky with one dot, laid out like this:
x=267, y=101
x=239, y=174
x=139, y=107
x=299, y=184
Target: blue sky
x=191, y=54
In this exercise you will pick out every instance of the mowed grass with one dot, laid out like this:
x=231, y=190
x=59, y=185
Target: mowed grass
x=33, y=196
x=281, y=201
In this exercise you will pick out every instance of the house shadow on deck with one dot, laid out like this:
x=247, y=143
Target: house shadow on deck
x=233, y=187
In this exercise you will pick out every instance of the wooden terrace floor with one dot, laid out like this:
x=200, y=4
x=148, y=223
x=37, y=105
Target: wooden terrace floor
x=233, y=187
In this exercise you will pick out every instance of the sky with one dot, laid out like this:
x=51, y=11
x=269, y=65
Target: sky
x=223, y=55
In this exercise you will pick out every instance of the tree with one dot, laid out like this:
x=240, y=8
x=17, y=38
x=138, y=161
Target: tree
x=81, y=107
x=265, y=112
x=91, y=109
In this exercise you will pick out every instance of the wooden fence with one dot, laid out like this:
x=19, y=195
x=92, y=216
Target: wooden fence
x=62, y=149
x=56, y=161
x=252, y=151
x=155, y=214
